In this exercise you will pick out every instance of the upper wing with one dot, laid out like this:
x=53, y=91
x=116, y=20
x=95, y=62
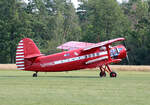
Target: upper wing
x=102, y=43
x=86, y=46
x=74, y=45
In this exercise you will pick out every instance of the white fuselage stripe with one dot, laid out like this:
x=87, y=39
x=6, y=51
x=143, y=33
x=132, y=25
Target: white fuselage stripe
x=20, y=65
x=20, y=53
x=20, y=59
x=20, y=47
x=76, y=58
x=19, y=56
x=20, y=50
x=19, y=62
x=21, y=68
x=20, y=44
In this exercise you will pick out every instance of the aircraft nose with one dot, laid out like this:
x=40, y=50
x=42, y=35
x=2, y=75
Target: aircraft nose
x=123, y=52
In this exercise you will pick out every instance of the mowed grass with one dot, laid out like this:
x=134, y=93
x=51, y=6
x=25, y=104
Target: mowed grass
x=74, y=88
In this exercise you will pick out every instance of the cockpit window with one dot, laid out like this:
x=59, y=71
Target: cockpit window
x=119, y=49
x=114, y=52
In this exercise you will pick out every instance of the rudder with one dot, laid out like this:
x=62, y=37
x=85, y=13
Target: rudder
x=26, y=49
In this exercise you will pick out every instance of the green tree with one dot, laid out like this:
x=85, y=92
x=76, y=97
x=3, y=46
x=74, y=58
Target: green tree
x=14, y=26
x=138, y=39
x=104, y=20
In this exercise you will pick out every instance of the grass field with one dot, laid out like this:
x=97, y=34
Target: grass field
x=74, y=88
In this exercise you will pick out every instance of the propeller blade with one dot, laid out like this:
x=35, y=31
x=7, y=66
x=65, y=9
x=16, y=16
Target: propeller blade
x=127, y=49
x=127, y=58
x=131, y=55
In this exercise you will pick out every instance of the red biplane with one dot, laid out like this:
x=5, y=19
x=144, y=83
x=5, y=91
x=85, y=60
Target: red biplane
x=80, y=55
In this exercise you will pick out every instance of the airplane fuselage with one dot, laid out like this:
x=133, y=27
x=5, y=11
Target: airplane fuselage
x=67, y=61
x=85, y=55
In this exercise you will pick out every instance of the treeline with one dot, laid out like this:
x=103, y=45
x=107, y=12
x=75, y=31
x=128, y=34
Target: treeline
x=52, y=22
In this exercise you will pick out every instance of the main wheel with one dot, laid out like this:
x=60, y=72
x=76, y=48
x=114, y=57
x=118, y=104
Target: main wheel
x=35, y=75
x=102, y=74
x=113, y=74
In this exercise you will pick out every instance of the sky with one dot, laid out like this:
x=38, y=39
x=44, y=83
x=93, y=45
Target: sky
x=76, y=3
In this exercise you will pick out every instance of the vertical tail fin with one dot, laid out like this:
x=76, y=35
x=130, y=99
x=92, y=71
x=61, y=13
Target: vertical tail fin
x=26, y=49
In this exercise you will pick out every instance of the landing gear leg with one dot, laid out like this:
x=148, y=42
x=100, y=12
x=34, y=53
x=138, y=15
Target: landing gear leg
x=112, y=73
x=35, y=74
x=102, y=73
x=106, y=68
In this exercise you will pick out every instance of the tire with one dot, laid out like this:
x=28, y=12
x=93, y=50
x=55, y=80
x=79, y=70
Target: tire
x=113, y=74
x=35, y=75
x=102, y=74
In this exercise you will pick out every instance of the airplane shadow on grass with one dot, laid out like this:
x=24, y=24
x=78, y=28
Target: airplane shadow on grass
x=19, y=76
x=71, y=76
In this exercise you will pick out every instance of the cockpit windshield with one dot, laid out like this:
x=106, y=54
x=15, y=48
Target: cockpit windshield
x=115, y=52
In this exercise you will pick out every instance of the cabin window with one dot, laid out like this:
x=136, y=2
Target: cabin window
x=82, y=57
x=95, y=54
x=92, y=55
x=87, y=56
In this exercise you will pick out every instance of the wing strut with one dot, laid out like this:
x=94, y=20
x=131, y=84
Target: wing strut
x=108, y=51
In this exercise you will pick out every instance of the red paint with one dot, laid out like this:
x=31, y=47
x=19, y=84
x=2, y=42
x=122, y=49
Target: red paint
x=33, y=60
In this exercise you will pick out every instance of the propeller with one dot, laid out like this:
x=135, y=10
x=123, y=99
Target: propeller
x=127, y=58
x=132, y=55
x=127, y=50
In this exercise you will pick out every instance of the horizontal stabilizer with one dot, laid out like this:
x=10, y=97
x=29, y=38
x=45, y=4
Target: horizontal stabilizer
x=33, y=55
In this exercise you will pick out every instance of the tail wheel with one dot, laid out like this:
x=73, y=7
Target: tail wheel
x=113, y=74
x=35, y=74
x=102, y=74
